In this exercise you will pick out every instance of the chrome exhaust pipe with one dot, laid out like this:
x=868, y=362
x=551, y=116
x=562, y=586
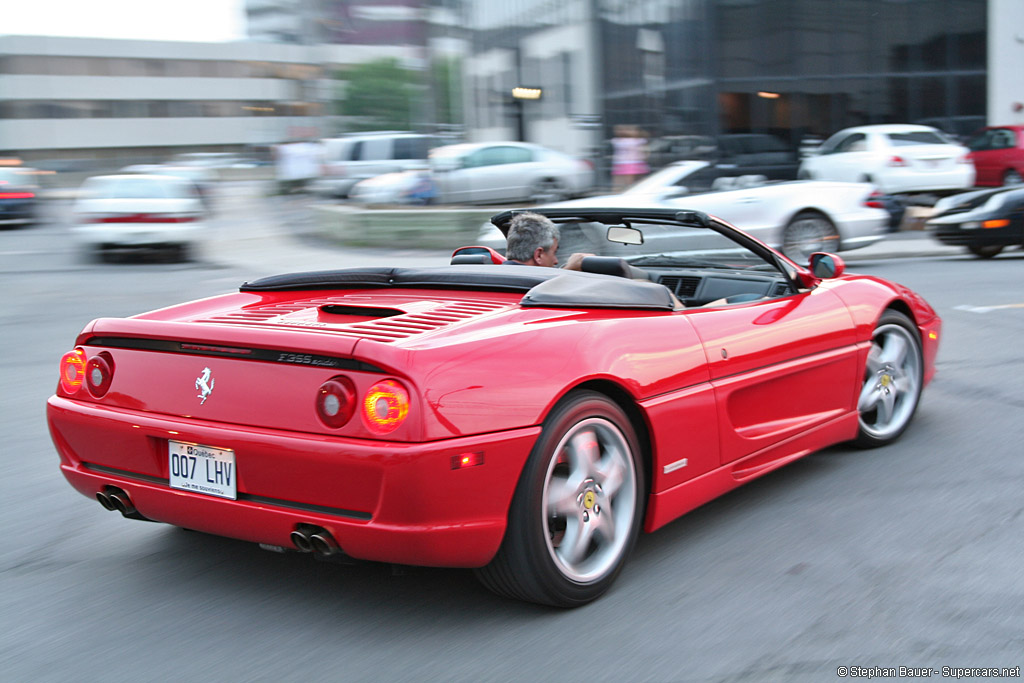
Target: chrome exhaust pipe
x=302, y=541
x=114, y=498
x=121, y=502
x=323, y=543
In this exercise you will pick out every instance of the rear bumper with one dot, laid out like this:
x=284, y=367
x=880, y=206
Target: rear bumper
x=898, y=180
x=382, y=501
x=863, y=229
x=138, y=234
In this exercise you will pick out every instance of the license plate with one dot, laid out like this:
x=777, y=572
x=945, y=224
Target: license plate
x=202, y=469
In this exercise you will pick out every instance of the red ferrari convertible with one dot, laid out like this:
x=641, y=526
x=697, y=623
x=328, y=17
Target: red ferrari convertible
x=527, y=422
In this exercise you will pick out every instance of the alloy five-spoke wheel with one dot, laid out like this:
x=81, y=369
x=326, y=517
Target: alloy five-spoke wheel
x=577, y=509
x=893, y=379
x=590, y=498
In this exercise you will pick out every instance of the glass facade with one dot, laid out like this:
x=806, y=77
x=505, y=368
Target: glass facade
x=792, y=68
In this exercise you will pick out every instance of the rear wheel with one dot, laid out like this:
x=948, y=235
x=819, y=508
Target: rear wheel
x=808, y=232
x=893, y=379
x=577, y=509
x=985, y=250
x=1012, y=177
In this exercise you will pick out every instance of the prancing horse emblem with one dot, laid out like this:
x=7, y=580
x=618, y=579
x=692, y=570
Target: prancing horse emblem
x=205, y=385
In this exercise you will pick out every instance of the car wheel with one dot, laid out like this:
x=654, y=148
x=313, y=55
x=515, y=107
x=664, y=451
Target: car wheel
x=547, y=190
x=576, y=513
x=1012, y=177
x=808, y=232
x=893, y=379
x=985, y=250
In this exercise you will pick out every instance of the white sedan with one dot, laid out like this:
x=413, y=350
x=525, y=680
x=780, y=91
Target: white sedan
x=481, y=173
x=799, y=217
x=895, y=157
x=131, y=211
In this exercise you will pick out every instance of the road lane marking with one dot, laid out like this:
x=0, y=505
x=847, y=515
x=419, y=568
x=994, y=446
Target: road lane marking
x=986, y=309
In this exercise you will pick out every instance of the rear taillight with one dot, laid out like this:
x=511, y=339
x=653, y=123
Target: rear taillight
x=874, y=200
x=96, y=373
x=99, y=372
x=336, y=401
x=72, y=370
x=17, y=195
x=965, y=159
x=140, y=218
x=385, y=407
x=896, y=161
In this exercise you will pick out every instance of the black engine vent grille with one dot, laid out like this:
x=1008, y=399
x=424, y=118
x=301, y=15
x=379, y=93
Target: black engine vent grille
x=682, y=286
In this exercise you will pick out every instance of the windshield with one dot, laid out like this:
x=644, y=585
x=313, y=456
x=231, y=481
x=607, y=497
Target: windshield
x=136, y=187
x=670, y=246
x=917, y=138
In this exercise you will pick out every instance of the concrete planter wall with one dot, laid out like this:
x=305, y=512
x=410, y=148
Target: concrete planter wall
x=412, y=228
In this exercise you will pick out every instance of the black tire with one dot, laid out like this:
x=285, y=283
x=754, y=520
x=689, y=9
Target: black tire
x=986, y=250
x=808, y=232
x=577, y=511
x=893, y=379
x=1012, y=177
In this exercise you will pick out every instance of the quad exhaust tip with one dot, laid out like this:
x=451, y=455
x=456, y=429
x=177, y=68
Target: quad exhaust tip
x=114, y=498
x=308, y=538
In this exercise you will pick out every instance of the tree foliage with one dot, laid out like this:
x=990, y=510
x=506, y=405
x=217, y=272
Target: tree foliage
x=380, y=95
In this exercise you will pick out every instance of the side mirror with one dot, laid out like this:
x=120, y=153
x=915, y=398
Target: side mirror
x=825, y=266
x=624, y=235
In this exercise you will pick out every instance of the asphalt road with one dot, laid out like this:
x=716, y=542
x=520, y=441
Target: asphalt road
x=909, y=555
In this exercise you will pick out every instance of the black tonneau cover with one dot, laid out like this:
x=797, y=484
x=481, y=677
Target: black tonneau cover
x=542, y=286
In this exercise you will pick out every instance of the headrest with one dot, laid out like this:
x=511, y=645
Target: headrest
x=612, y=265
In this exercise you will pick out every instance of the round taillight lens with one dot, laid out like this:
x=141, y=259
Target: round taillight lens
x=336, y=401
x=72, y=370
x=99, y=372
x=385, y=406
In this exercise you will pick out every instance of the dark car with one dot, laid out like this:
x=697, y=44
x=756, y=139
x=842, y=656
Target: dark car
x=998, y=155
x=19, y=195
x=985, y=221
x=731, y=155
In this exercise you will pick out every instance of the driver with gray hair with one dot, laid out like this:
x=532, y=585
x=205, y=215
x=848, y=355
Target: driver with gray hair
x=533, y=240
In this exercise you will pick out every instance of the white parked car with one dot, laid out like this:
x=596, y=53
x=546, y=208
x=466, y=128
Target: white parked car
x=134, y=211
x=895, y=157
x=479, y=173
x=798, y=217
x=350, y=159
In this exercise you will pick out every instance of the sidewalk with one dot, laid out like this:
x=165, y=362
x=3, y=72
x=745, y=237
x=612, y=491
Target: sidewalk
x=903, y=244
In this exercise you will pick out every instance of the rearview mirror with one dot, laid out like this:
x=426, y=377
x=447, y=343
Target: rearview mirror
x=624, y=235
